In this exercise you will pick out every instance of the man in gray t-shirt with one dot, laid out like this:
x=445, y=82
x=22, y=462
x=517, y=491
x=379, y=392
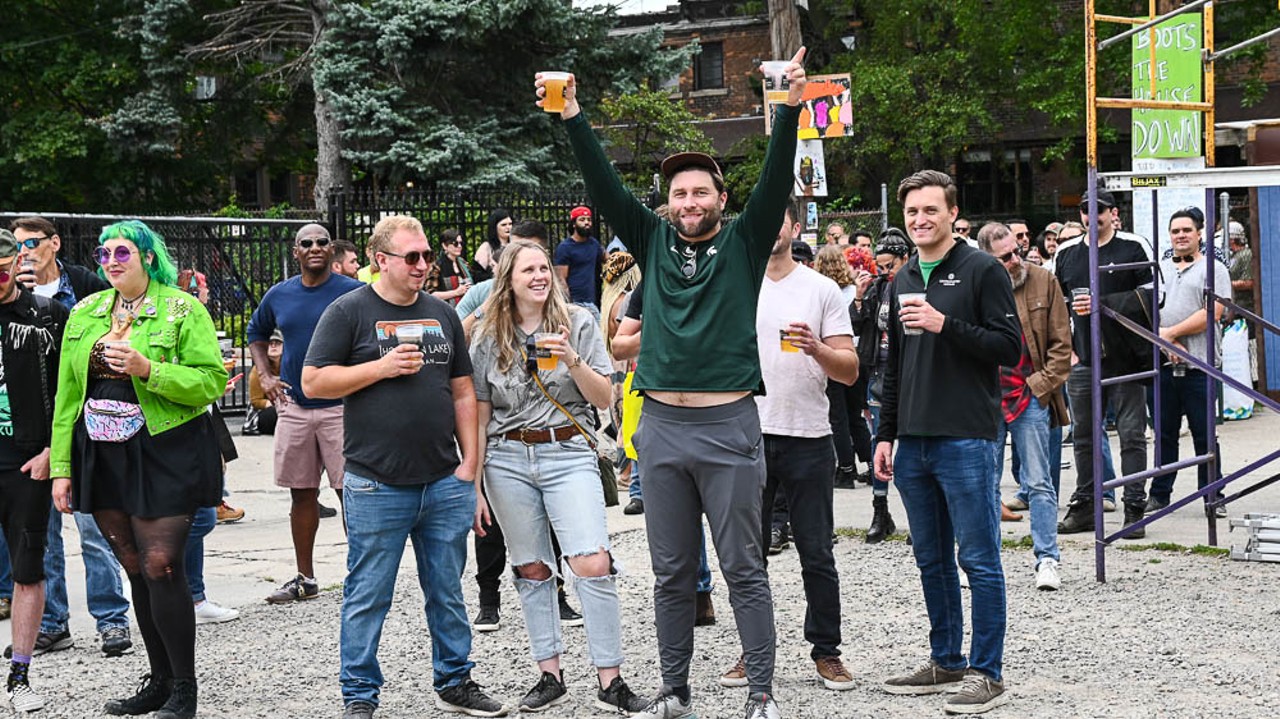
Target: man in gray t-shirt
x=1183, y=390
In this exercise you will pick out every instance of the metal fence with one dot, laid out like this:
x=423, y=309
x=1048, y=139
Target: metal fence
x=241, y=258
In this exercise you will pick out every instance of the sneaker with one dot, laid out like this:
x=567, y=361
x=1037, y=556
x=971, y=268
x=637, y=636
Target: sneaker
x=1047, y=575
x=569, y=617
x=208, y=612
x=116, y=641
x=619, y=698
x=295, y=590
x=46, y=642
x=182, y=701
x=978, y=694
x=228, y=514
x=667, y=706
x=964, y=578
x=152, y=694
x=635, y=506
x=736, y=676
x=23, y=698
x=1017, y=504
x=834, y=675
x=1108, y=505
x=6, y=608
x=548, y=692
x=928, y=678
x=468, y=698
x=1008, y=515
x=778, y=541
x=327, y=512
x=487, y=619
x=358, y=710
x=1220, y=512
x=1155, y=505
x=762, y=706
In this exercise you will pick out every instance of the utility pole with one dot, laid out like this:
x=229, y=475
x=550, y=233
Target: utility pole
x=784, y=28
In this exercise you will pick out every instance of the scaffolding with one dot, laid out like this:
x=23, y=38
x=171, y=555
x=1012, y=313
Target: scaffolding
x=1207, y=179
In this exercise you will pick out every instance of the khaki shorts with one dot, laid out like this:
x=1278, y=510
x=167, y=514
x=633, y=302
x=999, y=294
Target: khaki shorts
x=308, y=441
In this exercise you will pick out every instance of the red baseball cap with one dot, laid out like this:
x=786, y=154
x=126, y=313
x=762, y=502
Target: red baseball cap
x=579, y=211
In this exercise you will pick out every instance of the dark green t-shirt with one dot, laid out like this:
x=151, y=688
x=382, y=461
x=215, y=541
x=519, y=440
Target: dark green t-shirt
x=699, y=331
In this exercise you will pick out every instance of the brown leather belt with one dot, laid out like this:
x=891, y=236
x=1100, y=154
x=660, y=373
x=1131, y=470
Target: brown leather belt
x=542, y=436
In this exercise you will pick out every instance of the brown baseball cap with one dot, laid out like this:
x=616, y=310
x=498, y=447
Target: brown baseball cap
x=685, y=160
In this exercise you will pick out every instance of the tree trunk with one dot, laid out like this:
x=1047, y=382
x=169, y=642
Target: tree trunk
x=332, y=169
x=784, y=28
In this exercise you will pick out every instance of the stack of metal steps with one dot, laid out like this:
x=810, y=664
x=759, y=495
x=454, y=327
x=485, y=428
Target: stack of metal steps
x=1261, y=537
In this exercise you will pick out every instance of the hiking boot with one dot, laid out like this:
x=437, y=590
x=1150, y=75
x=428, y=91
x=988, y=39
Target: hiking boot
x=327, y=512
x=762, y=706
x=978, y=694
x=834, y=675
x=47, y=642
x=116, y=641
x=182, y=701
x=778, y=541
x=619, y=698
x=358, y=710
x=846, y=477
x=228, y=514
x=667, y=706
x=1047, y=575
x=736, y=676
x=706, y=611
x=209, y=612
x=1079, y=519
x=568, y=616
x=1134, y=513
x=468, y=698
x=635, y=506
x=152, y=694
x=295, y=590
x=548, y=692
x=6, y=608
x=22, y=697
x=882, y=525
x=487, y=619
x=928, y=678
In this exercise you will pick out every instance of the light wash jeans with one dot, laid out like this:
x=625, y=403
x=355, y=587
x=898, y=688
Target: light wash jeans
x=103, y=587
x=436, y=517
x=533, y=489
x=1033, y=444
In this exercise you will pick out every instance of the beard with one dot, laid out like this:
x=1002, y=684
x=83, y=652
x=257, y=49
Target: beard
x=1018, y=277
x=702, y=227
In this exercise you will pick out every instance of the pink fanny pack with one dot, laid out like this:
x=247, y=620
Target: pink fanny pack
x=109, y=420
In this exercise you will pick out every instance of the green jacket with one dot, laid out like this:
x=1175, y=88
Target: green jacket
x=174, y=331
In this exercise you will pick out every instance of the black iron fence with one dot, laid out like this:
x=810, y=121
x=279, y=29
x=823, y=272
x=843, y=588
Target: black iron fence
x=241, y=259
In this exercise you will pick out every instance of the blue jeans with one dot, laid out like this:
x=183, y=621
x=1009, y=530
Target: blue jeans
x=103, y=587
x=6, y=572
x=205, y=519
x=537, y=488
x=1033, y=443
x=436, y=517
x=1182, y=397
x=879, y=487
x=705, y=583
x=949, y=490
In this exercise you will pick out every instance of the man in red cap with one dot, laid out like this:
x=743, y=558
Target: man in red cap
x=579, y=258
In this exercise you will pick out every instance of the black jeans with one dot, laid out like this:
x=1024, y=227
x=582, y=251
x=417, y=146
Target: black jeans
x=849, y=428
x=1129, y=402
x=802, y=467
x=1182, y=397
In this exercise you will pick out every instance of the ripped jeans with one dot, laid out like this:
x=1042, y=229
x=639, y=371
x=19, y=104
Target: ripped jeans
x=532, y=489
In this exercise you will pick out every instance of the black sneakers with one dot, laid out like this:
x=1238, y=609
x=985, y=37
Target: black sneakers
x=152, y=694
x=619, y=698
x=548, y=692
x=487, y=619
x=568, y=616
x=181, y=703
x=116, y=641
x=468, y=698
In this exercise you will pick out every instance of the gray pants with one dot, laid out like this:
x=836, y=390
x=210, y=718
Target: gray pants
x=706, y=460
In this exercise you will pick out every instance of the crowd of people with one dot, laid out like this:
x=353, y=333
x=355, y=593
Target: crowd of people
x=760, y=377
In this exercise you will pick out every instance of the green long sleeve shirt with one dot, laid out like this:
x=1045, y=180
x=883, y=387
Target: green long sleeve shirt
x=700, y=331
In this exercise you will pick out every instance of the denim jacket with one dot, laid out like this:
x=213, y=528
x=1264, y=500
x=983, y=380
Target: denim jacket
x=174, y=331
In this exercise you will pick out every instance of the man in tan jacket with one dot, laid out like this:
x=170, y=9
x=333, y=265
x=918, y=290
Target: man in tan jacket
x=1031, y=393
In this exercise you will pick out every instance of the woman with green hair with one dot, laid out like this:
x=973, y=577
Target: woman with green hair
x=134, y=445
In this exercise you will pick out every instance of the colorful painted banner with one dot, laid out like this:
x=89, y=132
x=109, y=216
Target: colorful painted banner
x=825, y=111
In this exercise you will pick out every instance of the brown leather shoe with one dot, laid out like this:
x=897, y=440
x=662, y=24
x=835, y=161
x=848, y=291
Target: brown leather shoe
x=706, y=611
x=1008, y=515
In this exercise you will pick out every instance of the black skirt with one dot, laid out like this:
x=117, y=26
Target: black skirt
x=166, y=475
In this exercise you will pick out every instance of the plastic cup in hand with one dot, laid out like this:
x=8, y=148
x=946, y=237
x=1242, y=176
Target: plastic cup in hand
x=1076, y=293
x=542, y=346
x=785, y=336
x=409, y=335
x=1179, y=369
x=776, y=70
x=556, y=85
x=907, y=299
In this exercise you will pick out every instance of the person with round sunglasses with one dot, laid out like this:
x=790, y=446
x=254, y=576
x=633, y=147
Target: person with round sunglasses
x=539, y=366
x=454, y=277
x=134, y=445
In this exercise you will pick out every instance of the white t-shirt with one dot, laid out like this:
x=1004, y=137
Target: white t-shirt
x=49, y=289
x=796, y=403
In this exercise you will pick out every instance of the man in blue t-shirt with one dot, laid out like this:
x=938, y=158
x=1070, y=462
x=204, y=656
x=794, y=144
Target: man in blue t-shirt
x=578, y=260
x=309, y=434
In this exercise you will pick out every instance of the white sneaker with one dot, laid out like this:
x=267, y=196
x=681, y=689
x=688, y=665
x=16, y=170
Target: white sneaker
x=667, y=706
x=208, y=612
x=23, y=698
x=1047, y=575
x=964, y=578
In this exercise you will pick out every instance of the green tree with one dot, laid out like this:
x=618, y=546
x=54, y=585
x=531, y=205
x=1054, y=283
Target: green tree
x=647, y=126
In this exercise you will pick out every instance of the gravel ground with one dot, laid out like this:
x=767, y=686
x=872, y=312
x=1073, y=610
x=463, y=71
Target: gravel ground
x=1171, y=635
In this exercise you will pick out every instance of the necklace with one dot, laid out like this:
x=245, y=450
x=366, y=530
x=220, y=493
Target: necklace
x=126, y=312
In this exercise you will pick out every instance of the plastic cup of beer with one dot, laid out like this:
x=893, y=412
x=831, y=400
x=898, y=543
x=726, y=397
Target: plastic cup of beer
x=784, y=335
x=1076, y=293
x=556, y=85
x=542, y=343
x=409, y=335
x=907, y=299
x=777, y=71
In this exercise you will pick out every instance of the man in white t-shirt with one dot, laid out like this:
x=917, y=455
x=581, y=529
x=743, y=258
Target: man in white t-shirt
x=804, y=336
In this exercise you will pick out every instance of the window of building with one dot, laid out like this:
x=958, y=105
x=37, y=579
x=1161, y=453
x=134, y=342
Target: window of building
x=708, y=67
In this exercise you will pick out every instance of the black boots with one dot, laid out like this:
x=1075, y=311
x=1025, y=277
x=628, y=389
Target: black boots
x=846, y=477
x=182, y=701
x=1134, y=513
x=152, y=694
x=881, y=521
x=1079, y=518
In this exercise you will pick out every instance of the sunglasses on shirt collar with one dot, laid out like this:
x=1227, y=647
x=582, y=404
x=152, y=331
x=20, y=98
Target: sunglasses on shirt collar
x=531, y=355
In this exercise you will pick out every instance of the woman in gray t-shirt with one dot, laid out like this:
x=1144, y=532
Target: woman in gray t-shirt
x=540, y=365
